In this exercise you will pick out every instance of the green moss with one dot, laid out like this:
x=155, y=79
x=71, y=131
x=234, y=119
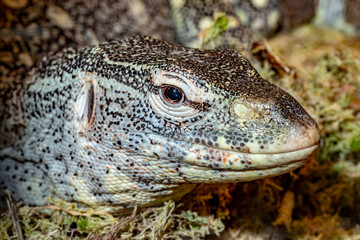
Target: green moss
x=355, y=144
x=210, y=35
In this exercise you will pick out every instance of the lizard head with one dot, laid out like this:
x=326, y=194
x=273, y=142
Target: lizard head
x=207, y=112
x=163, y=115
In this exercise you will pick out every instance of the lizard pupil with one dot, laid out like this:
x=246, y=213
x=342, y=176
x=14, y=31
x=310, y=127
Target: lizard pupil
x=173, y=94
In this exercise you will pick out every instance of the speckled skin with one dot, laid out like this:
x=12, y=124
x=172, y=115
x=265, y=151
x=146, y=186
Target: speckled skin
x=92, y=125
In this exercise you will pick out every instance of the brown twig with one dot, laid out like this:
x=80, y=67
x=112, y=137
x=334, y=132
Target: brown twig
x=14, y=217
x=114, y=231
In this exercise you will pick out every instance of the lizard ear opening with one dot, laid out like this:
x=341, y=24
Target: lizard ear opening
x=85, y=106
x=90, y=105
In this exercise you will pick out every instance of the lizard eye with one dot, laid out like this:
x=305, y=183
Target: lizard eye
x=173, y=94
x=172, y=98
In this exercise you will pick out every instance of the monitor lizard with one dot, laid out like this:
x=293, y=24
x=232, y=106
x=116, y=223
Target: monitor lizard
x=137, y=121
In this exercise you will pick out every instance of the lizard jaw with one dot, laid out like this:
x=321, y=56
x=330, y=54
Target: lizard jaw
x=216, y=165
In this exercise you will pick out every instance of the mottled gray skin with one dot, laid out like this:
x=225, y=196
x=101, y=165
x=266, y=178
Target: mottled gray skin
x=116, y=149
x=93, y=125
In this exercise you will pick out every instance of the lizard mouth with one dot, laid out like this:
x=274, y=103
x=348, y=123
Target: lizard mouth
x=219, y=159
x=293, y=149
x=228, y=166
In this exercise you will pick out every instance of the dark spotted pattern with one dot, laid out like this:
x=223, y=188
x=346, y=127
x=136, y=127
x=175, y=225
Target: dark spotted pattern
x=92, y=125
x=93, y=136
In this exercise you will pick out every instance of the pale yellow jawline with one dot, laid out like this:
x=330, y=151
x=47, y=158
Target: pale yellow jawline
x=238, y=159
x=196, y=174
